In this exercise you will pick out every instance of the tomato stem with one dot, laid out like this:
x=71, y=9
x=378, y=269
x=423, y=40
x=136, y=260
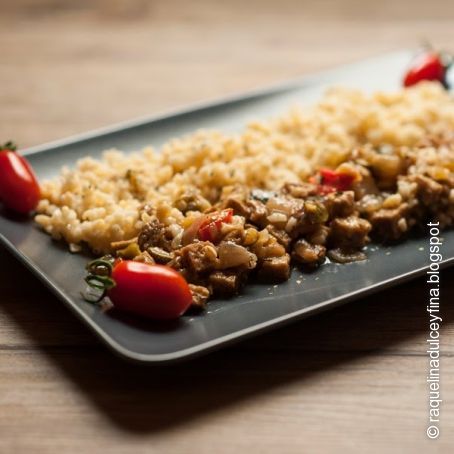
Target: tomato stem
x=99, y=277
x=102, y=266
x=10, y=145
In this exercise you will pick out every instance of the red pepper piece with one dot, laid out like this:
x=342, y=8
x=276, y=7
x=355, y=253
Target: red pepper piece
x=340, y=181
x=211, y=227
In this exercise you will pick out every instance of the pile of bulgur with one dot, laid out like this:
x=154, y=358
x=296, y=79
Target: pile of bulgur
x=102, y=201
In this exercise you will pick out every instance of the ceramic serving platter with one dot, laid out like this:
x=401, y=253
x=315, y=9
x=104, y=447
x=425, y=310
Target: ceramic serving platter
x=260, y=307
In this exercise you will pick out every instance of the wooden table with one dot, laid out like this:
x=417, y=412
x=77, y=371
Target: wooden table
x=350, y=380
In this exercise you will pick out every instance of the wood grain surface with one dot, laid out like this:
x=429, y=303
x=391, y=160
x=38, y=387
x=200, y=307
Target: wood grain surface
x=349, y=380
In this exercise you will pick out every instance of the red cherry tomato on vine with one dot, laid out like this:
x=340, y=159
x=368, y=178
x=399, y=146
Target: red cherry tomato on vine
x=427, y=66
x=154, y=291
x=19, y=188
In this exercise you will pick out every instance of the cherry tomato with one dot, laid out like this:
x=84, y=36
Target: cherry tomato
x=19, y=188
x=427, y=66
x=210, y=228
x=154, y=291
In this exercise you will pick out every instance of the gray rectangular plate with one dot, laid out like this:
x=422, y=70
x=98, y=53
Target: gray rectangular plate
x=259, y=307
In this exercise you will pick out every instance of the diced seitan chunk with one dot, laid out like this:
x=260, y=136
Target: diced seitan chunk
x=275, y=269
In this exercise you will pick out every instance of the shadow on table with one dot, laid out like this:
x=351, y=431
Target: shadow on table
x=141, y=399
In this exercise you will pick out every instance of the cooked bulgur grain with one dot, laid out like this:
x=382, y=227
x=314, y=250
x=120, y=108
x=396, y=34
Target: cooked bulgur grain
x=102, y=201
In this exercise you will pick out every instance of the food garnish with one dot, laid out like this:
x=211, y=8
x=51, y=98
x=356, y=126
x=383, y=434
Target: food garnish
x=153, y=291
x=428, y=66
x=19, y=188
